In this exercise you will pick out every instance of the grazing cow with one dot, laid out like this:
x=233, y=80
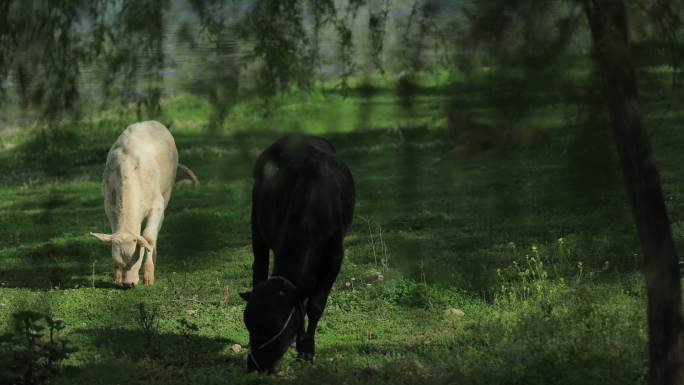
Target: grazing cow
x=302, y=206
x=476, y=137
x=137, y=181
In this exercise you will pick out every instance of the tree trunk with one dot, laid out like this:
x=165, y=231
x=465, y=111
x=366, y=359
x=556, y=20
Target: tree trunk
x=608, y=23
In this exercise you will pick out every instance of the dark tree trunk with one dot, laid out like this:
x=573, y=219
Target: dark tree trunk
x=608, y=23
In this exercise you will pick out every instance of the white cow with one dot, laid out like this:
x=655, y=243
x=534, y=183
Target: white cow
x=137, y=181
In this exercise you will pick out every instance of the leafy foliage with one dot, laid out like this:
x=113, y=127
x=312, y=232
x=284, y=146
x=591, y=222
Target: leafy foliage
x=281, y=44
x=32, y=354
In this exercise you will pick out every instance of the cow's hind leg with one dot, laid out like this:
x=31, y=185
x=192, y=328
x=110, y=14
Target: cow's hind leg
x=306, y=343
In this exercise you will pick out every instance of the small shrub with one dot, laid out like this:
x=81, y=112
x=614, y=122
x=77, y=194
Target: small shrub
x=406, y=292
x=524, y=281
x=148, y=320
x=31, y=353
x=377, y=244
x=416, y=296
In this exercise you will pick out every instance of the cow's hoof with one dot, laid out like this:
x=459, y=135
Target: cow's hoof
x=308, y=357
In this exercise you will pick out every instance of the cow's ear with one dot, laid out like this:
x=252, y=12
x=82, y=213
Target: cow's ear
x=102, y=237
x=142, y=241
x=246, y=295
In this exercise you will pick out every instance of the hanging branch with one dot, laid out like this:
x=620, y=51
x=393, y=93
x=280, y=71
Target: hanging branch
x=346, y=42
x=323, y=12
x=377, y=25
x=280, y=45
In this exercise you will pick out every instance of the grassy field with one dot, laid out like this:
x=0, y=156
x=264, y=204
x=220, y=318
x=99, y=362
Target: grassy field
x=535, y=246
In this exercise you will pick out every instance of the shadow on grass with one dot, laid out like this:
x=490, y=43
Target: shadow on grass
x=172, y=349
x=53, y=200
x=134, y=355
x=200, y=238
x=38, y=220
x=51, y=277
x=194, y=232
x=367, y=364
x=57, y=263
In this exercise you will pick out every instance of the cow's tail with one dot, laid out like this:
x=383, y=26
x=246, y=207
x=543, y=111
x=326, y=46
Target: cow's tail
x=186, y=169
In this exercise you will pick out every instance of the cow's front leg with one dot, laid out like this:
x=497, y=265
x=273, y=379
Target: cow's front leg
x=306, y=343
x=260, y=250
x=118, y=274
x=149, y=267
x=154, y=222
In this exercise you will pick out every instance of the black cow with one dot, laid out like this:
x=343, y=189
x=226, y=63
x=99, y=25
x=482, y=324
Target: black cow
x=302, y=206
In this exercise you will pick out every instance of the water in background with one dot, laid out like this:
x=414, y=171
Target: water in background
x=192, y=57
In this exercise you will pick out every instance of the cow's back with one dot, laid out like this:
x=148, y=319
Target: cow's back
x=148, y=151
x=286, y=149
x=302, y=193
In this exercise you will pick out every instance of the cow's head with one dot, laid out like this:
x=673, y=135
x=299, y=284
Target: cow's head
x=273, y=318
x=128, y=251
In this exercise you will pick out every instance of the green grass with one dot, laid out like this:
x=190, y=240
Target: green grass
x=537, y=251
